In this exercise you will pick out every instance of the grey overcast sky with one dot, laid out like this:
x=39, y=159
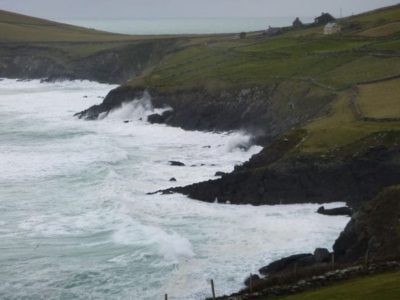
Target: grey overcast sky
x=70, y=9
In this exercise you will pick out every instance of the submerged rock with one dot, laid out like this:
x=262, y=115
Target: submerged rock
x=173, y=179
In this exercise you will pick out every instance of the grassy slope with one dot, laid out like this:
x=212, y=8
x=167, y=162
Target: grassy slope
x=368, y=49
x=384, y=286
x=19, y=28
x=339, y=61
x=60, y=41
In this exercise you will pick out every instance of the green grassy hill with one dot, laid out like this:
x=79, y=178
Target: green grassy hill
x=360, y=65
x=20, y=28
x=367, y=49
x=378, y=287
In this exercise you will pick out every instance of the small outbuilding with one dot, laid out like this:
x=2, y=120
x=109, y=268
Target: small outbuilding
x=297, y=23
x=324, y=19
x=332, y=28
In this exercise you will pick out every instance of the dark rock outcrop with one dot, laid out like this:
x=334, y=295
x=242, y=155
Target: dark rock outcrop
x=290, y=263
x=339, y=211
x=253, y=109
x=176, y=163
x=322, y=255
x=287, y=263
x=117, y=65
x=354, y=180
x=173, y=179
x=220, y=174
x=375, y=229
x=252, y=280
x=160, y=119
x=114, y=100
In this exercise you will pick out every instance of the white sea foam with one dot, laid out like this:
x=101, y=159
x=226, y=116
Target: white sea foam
x=136, y=110
x=76, y=221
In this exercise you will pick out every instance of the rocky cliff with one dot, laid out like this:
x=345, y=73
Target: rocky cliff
x=53, y=62
x=374, y=230
x=266, y=111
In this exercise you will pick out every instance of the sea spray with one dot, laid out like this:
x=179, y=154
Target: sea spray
x=135, y=110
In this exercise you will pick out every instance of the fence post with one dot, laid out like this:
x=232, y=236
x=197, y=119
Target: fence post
x=166, y=296
x=333, y=261
x=213, y=289
x=367, y=259
x=251, y=283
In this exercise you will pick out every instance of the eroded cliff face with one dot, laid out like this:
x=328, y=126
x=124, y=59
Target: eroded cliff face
x=375, y=229
x=115, y=65
x=265, y=111
x=306, y=179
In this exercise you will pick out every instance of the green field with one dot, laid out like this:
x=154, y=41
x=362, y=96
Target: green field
x=378, y=287
x=380, y=100
x=338, y=61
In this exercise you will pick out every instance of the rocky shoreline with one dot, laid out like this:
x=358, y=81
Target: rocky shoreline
x=251, y=109
x=276, y=176
x=313, y=282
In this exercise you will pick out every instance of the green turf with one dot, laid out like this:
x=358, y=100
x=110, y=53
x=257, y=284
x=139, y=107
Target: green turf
x=380, y=100
x=378, y=287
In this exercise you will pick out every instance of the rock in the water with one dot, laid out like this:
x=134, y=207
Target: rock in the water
x=126, y=121
x=220, y=174
x=339, y=211
x=322, y=255
x=173, y=179
x=176, y=163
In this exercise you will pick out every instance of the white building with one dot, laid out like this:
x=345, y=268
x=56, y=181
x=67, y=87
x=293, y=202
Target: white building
x=332, y=28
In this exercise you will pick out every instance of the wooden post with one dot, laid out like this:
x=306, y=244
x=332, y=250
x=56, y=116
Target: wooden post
x=212, y=289
x=333, y=260
x=251, y=283
x=367, y=258
x=166, y=296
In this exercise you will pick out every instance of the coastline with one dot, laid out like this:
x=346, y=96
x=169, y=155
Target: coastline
x=319, y=146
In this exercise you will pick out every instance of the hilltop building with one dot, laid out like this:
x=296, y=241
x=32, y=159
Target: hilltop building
x=297, y=23
x=332, y=28
x=324, y=19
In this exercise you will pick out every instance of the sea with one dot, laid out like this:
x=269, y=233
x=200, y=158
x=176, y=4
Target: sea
x=76, y=220
x=171, y=26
